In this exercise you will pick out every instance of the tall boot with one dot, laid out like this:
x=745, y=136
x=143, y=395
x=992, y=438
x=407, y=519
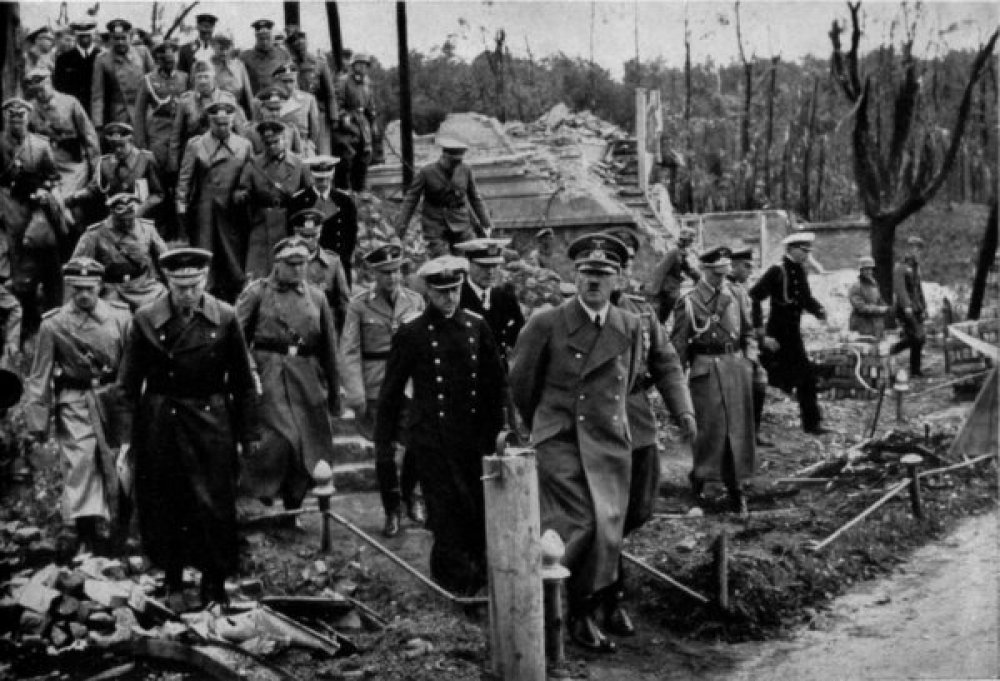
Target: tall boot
x=738, y=501
x=86, y=532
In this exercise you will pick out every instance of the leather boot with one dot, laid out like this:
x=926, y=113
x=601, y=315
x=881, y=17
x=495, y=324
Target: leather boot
x=697, y=489
x=584, y=632
x=738, y=502
x=392, y=522
x=417, y=511
x=616, y=619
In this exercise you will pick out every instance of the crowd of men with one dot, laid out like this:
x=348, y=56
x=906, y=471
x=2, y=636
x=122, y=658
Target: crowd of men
x=221, y=358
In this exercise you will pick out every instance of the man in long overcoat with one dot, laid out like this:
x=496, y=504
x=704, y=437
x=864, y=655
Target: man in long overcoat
x=188, y=382
x=713, y=336
x=209, y=176
x=323, y=269
x=354, y=133
x=191, y=119
x=264, y=57
x=74, y=69
x=291, y=333
x=456, y=412
x=909, y=305
x=783, y=353
x=118, y=76
x=668, y=276
x=739, y=275
x=340, y=214
x=868, y=310
x=574, y=367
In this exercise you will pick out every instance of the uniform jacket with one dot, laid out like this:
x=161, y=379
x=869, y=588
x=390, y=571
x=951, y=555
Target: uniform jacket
x=752, y=350
x=231, y=76
x=64, y=122
x=670, y=272
x=300, y=390
x=260, y=65
x=657, y=364
x=139, y=174
x=116, y=84
x=186, y=54
x=908, y=290
x=192, y=392
x=340, y=226
x=302, y=112
x=458, y=384
x=192, y=121
x=867, y=308
x=129, y=257
x=356, y=107
x=447, y=199
x=156, y=109
x=316, y=79
x=501, y=311
x=364, y=343
x=74, y=74
x=270, y=183
x=293, y=139
x=326, y=272
x=707, y=321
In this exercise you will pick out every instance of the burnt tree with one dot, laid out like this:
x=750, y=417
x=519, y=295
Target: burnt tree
x=897, y=167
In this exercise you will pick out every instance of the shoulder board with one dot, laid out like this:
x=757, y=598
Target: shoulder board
x=54, y=311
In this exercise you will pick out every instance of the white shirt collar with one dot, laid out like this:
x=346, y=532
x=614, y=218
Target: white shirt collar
x=600, y=315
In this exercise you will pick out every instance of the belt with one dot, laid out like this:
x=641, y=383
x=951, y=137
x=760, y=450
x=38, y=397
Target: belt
x=722, y=349
x=124, y=278
x=383, y=354
x=177, y=392
x=70, y=383
x=280, y=348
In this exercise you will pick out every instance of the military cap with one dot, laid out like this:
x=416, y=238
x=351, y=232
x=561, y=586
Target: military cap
x=308, y=222
x=17, y=105
x=914, y=241
x=272, y=94
x=451, y=145
x=866, y=261
x=286, y=69
x=360, y=57
x=39, y=32
x=119, y=203
x=170, y=44
x=445, y=272
x=803, y=239
x=83, y=271
x=270, y=126
x=544, y=232
x=483, y=251
x=385, y=257
x=321, y=166
x=598, y=253
x=206, y=19
x=262, y=24
x=220, y=109
x=83, y=27
x=118, y=128
x=118, y=26
x=37, y=74
x=186, y=265
x=627, y=237
x=291, y=248
x=742, y=254
x=717, y=257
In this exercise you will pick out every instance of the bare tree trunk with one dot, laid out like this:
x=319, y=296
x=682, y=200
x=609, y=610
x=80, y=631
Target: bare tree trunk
x=769, y=134
x=987, y=256
x=405, y=101
x=293, y=16
x=336, y=41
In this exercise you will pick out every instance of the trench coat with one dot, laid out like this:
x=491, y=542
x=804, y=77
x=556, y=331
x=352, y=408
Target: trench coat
x=191, y=119
x=340, y=226
x=299, y=390
x=325, y=271
x=115, y=85
x=210, y=172
x=191, y=392
x=867, y=308
x=75, y=147
x=707, y=320
x=156, y=108
x=130, y=258
x=270, y=185
x=570, y=382
x=76, y=348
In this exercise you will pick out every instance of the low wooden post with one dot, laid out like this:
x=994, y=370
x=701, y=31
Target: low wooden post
x=517, y=631
x=324, y=489
x=912, y=461
x=722, y=569
x=553, y=576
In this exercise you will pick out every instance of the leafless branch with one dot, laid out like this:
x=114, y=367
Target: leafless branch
x=179, y=20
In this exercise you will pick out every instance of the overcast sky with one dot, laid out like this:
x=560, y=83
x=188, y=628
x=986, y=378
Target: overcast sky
x=792, y=29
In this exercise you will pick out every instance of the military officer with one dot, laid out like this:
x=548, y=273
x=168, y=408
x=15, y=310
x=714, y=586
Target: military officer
x=301, y=110
x=41, y=52
x=340, y=215
x=868, y=310
x=291, y=333
x=742, y=267
x=264, y=57
x=373, y=317
x=323, y=269
x=484, y=294
x=61, y=119
x=456, y=413
x=74, y=69
x=783, y=353
x=209, y=176
x=447, y=186
x=128, y=248
x=230, y=73
x=573, y=370
x=543, y=256
x=353, y=136
x=270, y=101
x=267, y=183
x=191, y=119
x=668, y=276
x=156, y=107
x=316, y=79
x=201, y=48
x=79, y=349
x=33, y=221
x=118, y=78
x=126, y=169
x=189, y=386
x=714, y=339
x=909, y=305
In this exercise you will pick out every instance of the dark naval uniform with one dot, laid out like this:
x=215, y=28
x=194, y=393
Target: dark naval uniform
x=340, y=226
x=456, y=413
x=499, y=307
x=191, y=388
x=787, y=286
x=291, y=334
x=74, y=74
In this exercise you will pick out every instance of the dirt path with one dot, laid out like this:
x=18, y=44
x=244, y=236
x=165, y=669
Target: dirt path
x=937, y=618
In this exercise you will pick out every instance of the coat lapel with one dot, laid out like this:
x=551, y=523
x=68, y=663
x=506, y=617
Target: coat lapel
x=612, y=341
x=581, y=333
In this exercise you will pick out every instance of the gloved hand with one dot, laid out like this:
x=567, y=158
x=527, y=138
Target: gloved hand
x=689, y=426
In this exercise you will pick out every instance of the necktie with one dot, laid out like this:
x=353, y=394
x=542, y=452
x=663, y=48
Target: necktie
x=597, y=321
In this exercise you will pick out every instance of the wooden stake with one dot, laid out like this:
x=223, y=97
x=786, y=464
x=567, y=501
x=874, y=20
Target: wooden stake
x=517, y=622
x=722, y=569
x=665, y=578
x=911, y=461
x=893, y=491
